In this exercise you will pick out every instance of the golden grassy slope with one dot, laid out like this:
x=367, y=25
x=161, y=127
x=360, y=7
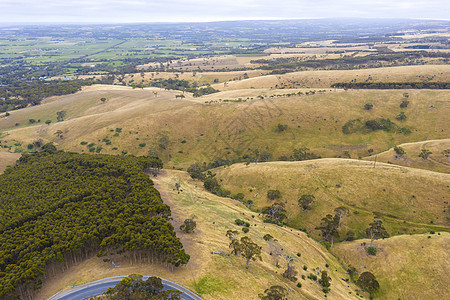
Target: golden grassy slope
x=212, y=275
x=407, y=267
x=7, y=159
x=226, y=130
x=401, y=196
x=324, y=79
x=437, y=161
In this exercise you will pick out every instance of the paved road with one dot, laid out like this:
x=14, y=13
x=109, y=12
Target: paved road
x=96, y=288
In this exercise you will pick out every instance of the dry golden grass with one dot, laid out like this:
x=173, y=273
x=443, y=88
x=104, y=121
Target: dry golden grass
x=225, y=129
x=437, y=161
x=407, y=267
x=7, y=159
x=324, y=79
x=216, y=276
x=401, y=196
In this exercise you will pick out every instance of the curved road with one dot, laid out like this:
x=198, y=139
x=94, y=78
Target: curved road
x=98, y=287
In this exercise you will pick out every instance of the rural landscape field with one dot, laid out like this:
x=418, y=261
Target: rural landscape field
x=277, y=159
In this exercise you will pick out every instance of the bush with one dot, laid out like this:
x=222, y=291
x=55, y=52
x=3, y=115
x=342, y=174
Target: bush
x=372, y=250
x=142, y=145
x=299, y=284
x=404, y=104
x=305, y=267
x=239, y=222
x=245, y=229
x=281, y=127
x=368, y=106
x=312, y=276
x=83, y=143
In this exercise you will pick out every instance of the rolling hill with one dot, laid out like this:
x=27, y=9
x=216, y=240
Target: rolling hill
x=398, y=195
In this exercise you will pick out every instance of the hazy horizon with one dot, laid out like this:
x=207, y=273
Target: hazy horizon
x=174, y=11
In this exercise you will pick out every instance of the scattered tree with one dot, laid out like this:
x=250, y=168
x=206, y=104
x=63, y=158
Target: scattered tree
x=290, y=272
x=275, y=292
x=273, y=194
x=305, y=201
x=235, y=245
x=328, y=227
x=59, y=134
x=340, y=212
x=276, y=212
x=281, y=127
x=60, y=115
x=425, y=153
x=189, y=225
x=376, y=231
x=163, y=141
x=103, y=99
x=399, y=152
x=48, y=122
x=325, y=279
x=368, y=282
x=249, y=250
x=401, y=116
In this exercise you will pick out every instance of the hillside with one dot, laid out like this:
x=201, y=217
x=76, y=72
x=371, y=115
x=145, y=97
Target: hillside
x=407, y=267
x=214, y=276
x=399, y=195
x=437, y=161
x=136, y=121
x=7, y=159
x=324, y=79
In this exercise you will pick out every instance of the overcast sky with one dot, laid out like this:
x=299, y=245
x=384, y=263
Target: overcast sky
x=126, y=11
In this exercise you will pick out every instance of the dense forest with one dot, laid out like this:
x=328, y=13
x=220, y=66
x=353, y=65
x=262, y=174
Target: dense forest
x=59, y=208
x=21, y=95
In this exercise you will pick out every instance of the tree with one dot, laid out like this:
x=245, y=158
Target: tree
x=249, y=250
x=425, y=153
x=305, y=201
x=376, y=231
x=401, y=116
x=328, y=227
x=189, y=225
x=340, y=212
x=60, y=115
x=275, y=292
x=103, y=99
x=276, y=212
x=235, y=245
x=325, y=279
x=399, y=151
x=368, y=282
x=290, y=272
x=163, y=141
x=275, y=248
x=446, y=153
x=273, y=194
x=48, y=122
x=134, y=287
x=59, y=134
x=196, y=171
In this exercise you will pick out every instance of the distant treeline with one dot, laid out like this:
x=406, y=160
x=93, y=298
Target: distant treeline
x=183, y=85
x=31, y=93
x=392, y=85
x=59, y=208
x=350, y=62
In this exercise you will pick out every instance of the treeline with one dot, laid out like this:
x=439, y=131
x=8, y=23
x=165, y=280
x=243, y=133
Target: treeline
x=31, y=93
x=350, y=62
x=59, y=208
x=183, y=85
x=391, y=85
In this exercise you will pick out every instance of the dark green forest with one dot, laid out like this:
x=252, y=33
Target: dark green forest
x=58, y=208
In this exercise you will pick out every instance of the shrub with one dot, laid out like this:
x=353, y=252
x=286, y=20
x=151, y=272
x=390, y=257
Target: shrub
x=281, y=127
x=404, y=104
x=305, y=267
x=325, y=290
x=32, y=121
x=245, y=229
x=299, y=254
x=401, y=116
x=83, y=143
x=312, y=276
x=239, y=222
x=299, y=284
x=372, y=250
x=368, y=106
x=142, y=145
x=91, y=149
